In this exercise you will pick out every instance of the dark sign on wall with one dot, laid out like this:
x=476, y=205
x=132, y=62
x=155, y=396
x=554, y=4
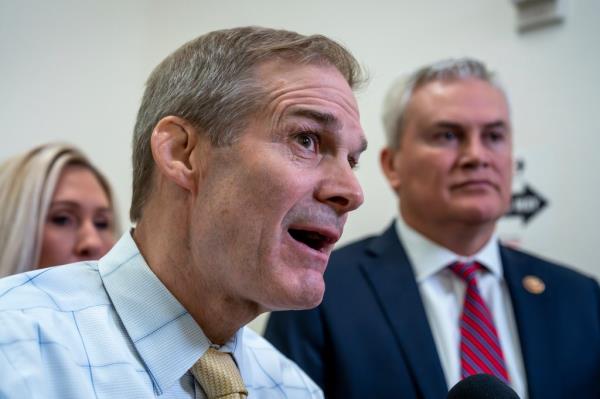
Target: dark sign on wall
x=526, y=202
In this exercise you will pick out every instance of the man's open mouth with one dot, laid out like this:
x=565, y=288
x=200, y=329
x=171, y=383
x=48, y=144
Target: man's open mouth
x=313, y=239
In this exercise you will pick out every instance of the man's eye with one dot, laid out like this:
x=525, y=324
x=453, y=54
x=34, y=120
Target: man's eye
x=495, y=136
x=446, y=135
x=308, y=140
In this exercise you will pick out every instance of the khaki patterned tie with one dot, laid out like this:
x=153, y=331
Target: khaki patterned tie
x=219, y=376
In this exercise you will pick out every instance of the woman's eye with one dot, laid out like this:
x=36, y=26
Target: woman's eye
x=102, y=224
x=61, y=220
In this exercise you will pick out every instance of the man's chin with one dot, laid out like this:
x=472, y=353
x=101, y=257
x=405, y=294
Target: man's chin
x=476, y=209
x=480, y=215
x=312, y=302
x=306, y=298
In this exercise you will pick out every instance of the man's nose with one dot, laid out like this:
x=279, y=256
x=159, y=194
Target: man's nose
x=89, y=243
x=340, y=188
x=474, y=153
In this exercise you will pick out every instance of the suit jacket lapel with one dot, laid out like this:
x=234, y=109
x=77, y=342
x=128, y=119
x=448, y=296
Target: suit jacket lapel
x=532, y=323
x=393, y=283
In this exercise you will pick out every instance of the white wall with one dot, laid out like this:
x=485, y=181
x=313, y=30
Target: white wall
x=74, y=70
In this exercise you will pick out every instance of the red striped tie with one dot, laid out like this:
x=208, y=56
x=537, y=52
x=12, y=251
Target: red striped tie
x=480, y=350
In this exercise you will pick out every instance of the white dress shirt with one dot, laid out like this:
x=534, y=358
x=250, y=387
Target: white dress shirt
x=443, y=294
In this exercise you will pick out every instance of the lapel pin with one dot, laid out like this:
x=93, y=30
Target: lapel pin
x=534, y=285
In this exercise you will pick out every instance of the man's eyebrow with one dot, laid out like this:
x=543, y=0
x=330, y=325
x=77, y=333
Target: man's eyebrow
x=323, y=118
x=496, y=124
x=453, y=125
x=448, y=124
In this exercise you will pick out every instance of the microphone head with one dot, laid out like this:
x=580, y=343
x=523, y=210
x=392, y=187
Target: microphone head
x=481, y=386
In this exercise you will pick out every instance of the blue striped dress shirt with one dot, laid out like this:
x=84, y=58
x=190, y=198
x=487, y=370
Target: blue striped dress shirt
x=111, y=329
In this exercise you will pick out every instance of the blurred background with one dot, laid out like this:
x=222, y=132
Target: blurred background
x=75, y=71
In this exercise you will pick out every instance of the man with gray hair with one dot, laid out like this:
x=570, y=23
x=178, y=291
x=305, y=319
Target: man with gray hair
x=436, y=297
x=243, y=157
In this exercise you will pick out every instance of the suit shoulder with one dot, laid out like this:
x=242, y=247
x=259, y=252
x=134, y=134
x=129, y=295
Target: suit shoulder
x=351, y=251
x=547, y=268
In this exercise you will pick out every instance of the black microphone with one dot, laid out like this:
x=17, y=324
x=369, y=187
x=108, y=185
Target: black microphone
x=481, y=386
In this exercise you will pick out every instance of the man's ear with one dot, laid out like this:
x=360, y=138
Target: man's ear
x=173, y=141
x=391, y=167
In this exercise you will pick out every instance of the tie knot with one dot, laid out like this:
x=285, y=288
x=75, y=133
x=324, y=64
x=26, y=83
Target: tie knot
x=219, y=376
x=465, y=271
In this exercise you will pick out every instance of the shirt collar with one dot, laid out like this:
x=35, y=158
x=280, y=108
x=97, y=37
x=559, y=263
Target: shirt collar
x=166, y=337
x=428, y=258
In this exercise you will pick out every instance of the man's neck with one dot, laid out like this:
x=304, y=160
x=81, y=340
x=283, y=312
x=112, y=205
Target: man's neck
x=461, y=238
x=172, y=261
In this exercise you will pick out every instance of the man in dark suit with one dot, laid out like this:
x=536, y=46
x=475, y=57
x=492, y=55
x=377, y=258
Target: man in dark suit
x=392, y=322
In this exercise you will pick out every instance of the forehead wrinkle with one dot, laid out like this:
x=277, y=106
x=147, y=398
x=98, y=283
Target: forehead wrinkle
x=321, y=110
x=326, y=119
x=326, y=104
x=315, y=91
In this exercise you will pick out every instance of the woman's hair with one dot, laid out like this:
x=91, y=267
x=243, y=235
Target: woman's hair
x=27, y=184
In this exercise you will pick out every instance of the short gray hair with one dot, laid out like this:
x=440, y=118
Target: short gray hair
x=27, y=185
x=210, y=83
x=401, y=92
